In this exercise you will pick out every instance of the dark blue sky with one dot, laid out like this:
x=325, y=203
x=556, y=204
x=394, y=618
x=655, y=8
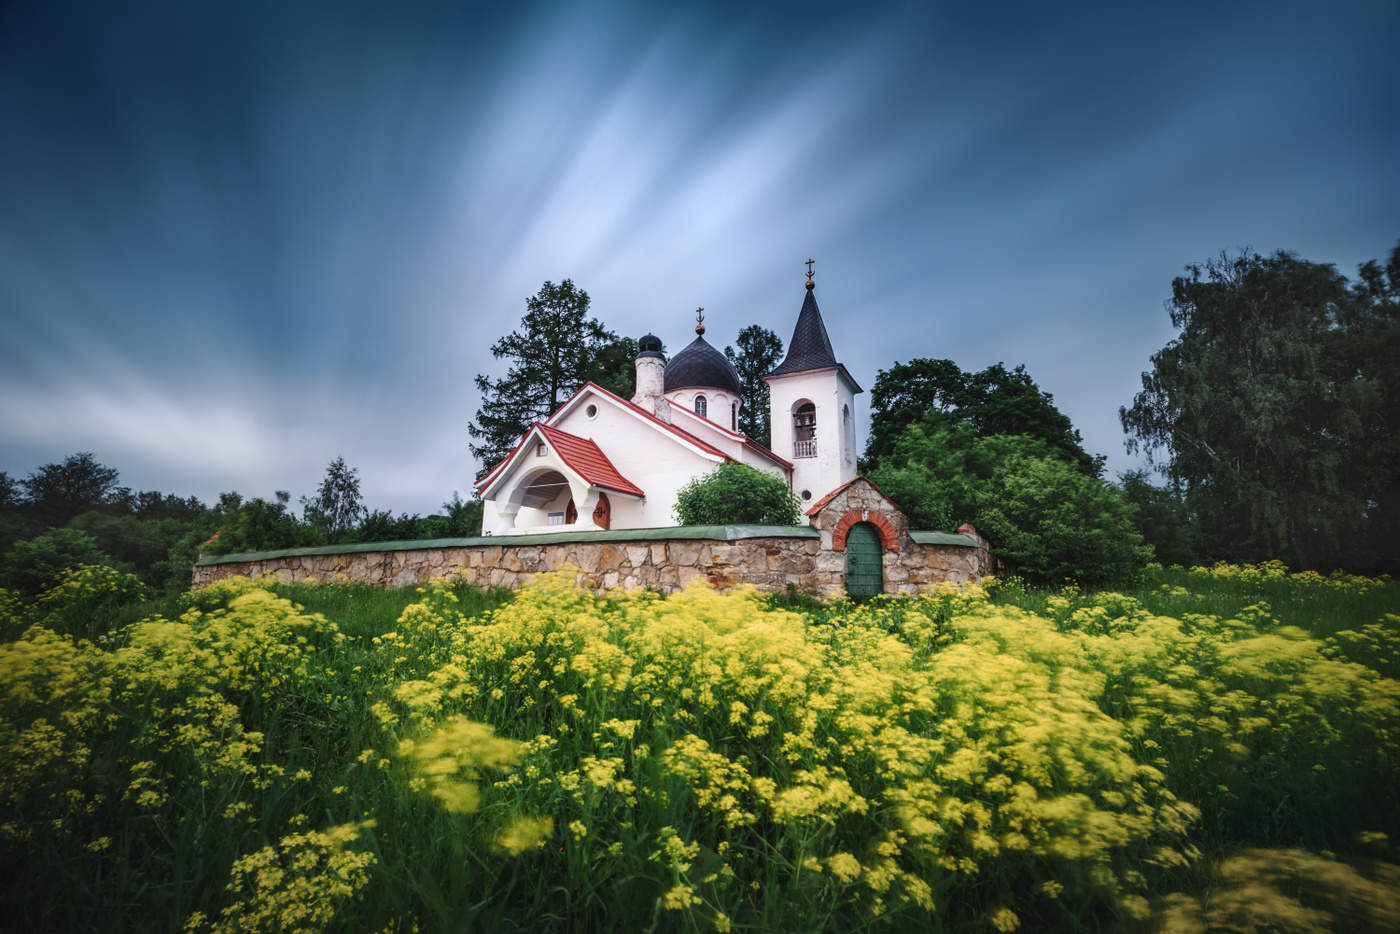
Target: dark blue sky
x=238, y=240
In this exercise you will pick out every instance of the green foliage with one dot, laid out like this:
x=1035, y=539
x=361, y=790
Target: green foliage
x=150, y=504
x=338, y=505
x=142, y=544
x=381, y=525
x=9, y=491
x=58, y=492
x=556, y=350
x=160, y=535
x=257, y=525
x=460, y=519
x=1045, y=517
x=35, y=565
x=1051, y=521
x=760, y=350
x=1163, y=518
x=1277, y=409
x=735, y=493
x=15, y=526
x=995, y=401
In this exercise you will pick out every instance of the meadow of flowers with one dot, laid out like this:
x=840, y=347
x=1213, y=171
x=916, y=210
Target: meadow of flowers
x=1216, y=749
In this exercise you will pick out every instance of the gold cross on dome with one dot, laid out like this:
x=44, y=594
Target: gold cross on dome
x=809, y=268
x=700, y=320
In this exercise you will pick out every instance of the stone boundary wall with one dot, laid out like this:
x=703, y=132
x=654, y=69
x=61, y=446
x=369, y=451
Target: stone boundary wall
x=771, y=558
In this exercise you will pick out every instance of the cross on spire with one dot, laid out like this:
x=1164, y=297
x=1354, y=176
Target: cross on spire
x=809, y=273
x=700, y=320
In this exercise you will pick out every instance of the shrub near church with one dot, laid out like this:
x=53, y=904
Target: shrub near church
x=735, y=494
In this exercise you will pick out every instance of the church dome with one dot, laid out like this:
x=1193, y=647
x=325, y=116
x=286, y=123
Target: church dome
x=701, y=366
x=649, y=344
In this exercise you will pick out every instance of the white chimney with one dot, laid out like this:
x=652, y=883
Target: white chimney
x=651, y=378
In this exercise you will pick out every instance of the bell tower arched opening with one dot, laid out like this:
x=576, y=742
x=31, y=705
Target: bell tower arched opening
x=804, y=429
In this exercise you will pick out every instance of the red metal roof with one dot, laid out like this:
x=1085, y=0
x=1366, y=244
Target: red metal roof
x=740, y=437
x=681, y=433
x=588, y=461
x=486, y=478
x=753, y=445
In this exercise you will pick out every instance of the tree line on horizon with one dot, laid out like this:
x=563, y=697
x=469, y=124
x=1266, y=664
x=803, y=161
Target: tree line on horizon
x=75, y=512
x=1269, y=422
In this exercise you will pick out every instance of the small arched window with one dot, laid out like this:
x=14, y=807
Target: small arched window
x=701, y=407
x=734, y=418
x=848, y=436
x=804, y=430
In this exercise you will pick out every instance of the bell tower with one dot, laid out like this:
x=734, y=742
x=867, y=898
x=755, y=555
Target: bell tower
x=812, y=407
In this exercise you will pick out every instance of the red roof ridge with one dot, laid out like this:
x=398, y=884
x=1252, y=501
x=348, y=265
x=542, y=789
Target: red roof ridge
x=743, y=439
x=482, y=481
x=753, y=445
x=681, y=432
x=606, y=476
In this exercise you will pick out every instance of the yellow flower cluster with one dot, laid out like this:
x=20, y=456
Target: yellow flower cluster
x=150, y=718
x=299, y=885
x=891, y=750
x=1277, y=571
x=946, y=761
x=452, y=758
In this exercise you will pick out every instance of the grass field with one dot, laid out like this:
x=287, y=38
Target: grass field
x=1210, y=749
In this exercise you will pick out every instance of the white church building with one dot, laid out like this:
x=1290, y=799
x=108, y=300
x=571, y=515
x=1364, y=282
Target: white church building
x=604, y=462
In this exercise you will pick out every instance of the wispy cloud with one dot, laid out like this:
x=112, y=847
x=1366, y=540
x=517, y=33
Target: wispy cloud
x=236, y=243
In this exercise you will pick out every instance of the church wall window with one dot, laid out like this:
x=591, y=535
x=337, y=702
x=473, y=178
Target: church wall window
x=848, y=435
x=701, y=407
x=734, y=417
x=804, y=429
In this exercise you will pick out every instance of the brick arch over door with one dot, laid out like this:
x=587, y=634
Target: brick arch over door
x=888, y=538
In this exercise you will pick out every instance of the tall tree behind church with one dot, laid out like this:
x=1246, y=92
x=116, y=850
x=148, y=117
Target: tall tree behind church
x=759, y=352
x=555, y=351
x=995, y=401
x=1276, y=408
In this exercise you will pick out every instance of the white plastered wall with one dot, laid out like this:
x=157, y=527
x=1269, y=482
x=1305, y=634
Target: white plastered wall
x=835, y=462
x=719, y=405
x=645, y=453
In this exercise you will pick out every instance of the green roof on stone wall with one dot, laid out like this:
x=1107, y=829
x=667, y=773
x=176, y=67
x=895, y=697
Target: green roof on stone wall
x=717, y=533
x=720, y=533
x=945, y=538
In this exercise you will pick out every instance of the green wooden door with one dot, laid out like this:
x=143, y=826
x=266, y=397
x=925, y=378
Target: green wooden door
x=864, y=575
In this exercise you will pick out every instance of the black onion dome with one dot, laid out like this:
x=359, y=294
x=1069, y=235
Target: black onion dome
x=810, y=348
x=649, y=344
x=701, y=366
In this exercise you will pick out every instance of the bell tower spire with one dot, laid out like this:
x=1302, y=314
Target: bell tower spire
x=812, y=406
